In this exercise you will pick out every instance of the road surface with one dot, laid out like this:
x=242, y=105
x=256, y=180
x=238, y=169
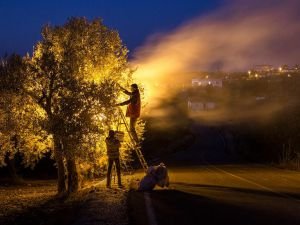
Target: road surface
x=227, y=194
x=204, y=190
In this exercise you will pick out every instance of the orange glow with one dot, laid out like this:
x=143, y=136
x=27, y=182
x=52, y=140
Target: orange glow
x=221, y=41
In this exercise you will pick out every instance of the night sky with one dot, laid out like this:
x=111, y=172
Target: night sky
x=21, y=20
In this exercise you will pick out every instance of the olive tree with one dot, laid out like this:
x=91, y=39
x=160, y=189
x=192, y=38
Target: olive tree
x=20, y=119
x=72, y=76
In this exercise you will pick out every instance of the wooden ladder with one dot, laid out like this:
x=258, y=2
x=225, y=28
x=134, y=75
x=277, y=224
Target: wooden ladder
x=133, y=144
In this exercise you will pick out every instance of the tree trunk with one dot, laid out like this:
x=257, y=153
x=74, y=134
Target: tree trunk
x=61, y=185
x=11, y=165
x=73, y=180
x=10, y=160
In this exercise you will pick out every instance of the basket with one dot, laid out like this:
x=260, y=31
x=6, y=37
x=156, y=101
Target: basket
x=119, y=135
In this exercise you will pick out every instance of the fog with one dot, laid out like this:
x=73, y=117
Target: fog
x=235, y=37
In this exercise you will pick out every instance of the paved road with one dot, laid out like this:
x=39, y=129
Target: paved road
x=219, y=192
x=231, y=194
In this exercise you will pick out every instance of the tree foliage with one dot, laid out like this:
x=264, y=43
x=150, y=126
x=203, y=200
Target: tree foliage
x=72, y=76
x=62, y=98
x=20, y=120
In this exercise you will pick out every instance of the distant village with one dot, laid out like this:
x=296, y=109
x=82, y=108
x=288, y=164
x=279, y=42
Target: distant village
x=217, y=80
x=268, y=70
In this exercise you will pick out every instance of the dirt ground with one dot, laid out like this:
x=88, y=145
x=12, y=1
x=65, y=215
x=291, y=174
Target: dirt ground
x=35, y=202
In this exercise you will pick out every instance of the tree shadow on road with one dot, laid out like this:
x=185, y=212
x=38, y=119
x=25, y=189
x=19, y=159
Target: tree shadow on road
x=234, y=190
x=177, y=207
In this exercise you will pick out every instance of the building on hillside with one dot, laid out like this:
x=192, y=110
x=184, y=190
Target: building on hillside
x=263, y=68
x=196, y=106
x=288, y=69
x=207, y=81
x=260, y=71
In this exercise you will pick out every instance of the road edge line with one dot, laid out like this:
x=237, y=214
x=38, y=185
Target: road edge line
x=256, y=184
x=149, y=209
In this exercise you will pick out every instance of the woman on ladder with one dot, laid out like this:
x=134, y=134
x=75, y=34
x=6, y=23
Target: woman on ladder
x=133, y=108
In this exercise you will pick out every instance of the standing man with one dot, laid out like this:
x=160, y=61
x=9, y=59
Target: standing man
x=133, y=109
x=113, y=153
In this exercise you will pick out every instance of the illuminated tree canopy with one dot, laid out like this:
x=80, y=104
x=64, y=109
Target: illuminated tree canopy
x=20, y=120
x=65, y=95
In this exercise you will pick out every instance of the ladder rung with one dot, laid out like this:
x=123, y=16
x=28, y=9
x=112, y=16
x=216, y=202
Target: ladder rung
x=133, y=143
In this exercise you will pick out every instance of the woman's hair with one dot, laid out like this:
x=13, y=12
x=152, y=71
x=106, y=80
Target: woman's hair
x=111, y=133
x=134, y=86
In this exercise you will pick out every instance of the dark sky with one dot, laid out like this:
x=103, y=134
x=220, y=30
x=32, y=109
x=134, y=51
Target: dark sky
x=21, y=20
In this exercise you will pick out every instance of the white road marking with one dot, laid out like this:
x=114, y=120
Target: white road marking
x=149, y=209
x=256, y=184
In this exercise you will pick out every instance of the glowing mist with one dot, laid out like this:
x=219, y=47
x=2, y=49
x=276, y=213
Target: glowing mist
x=233, y=38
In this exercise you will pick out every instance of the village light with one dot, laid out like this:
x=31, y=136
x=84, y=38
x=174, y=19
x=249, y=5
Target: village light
x=249, y=72
x=280, y=69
